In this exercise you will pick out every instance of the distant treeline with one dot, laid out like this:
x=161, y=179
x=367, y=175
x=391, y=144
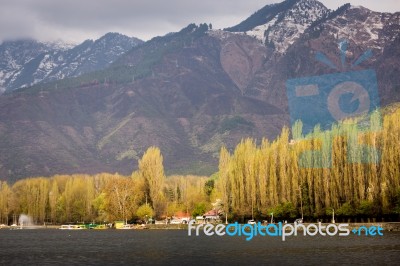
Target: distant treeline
x=352, y=171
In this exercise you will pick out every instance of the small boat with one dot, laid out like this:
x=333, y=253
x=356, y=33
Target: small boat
x=141, y=226
x=14, y=226
x=100, y=227
x=72, y=227
x=127, y=226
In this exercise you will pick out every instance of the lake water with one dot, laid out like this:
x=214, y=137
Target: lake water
x=175, y=247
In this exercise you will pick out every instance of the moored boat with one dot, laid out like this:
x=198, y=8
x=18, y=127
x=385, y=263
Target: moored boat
x=72, y=227
x=100, y=227
x=127, y=226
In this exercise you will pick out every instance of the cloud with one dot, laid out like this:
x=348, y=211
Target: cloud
x=77, y=20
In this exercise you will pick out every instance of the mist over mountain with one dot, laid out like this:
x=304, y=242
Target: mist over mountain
x=188, y=92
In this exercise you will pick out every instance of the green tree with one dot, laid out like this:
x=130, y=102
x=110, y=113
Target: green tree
x=366, y=209
x=199, y=209
x=209, y=186
x=145, y=212
x=346, y=210
x=284, y=211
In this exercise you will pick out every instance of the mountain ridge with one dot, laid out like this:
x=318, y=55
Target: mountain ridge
x=50, y=61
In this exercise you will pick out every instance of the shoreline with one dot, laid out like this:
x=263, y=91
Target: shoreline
x=387, y=226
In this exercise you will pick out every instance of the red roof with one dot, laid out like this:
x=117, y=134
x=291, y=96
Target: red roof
x=182, y=214
x=211, y=213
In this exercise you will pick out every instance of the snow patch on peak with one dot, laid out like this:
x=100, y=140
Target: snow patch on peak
x=358, y=7
x=221, y=34
x=259, y=31
x=60, y=45
x=363, y=30
x=286, y=27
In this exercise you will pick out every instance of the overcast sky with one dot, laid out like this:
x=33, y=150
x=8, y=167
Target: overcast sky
x=77, y=20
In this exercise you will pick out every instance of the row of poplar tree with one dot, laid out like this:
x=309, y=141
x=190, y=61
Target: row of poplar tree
x=353, y=170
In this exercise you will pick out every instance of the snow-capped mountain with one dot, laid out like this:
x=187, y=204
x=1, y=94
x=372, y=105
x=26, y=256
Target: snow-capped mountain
x=13, y=57
x=300, y=28
x=60, y=45
x=280, y=25
x=27, y=62
x=365, y=27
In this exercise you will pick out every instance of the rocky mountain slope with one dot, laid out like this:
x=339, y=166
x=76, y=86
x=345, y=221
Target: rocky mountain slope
x=24, y=63
x=280, y=25
x=189, y=93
